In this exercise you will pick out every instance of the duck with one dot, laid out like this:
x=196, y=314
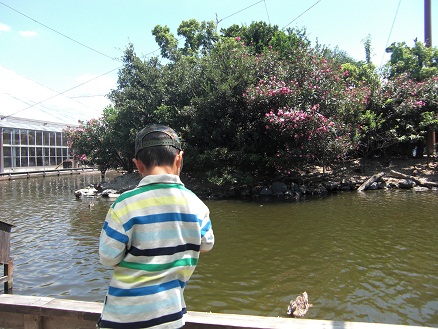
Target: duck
x=299, y=307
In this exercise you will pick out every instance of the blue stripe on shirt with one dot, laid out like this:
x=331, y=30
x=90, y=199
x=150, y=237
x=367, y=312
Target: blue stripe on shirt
x=114, y=234
x=205, y=229
x=159, y=218
x=143, y=324
x=143, y=291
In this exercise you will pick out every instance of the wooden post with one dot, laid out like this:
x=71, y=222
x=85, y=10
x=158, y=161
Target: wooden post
x=8, y=271
x=5, y=259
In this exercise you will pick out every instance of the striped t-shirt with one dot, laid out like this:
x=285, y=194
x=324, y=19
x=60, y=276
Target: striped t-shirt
x=153, y=235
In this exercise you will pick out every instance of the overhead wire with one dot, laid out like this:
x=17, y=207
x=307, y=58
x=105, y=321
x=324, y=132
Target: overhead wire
x=256, y=3
x=61, y=93
x=302, y=13
x=267, y=13
x=62, y=34
x=103, y=54
x=390, y=31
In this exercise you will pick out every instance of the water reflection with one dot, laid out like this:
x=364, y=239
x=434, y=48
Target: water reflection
x=360, y=256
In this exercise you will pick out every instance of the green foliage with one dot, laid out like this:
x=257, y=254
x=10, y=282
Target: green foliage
x=420, y=62
x=256, y=101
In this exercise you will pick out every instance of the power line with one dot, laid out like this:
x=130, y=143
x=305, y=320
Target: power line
x=61, y=93
x=302, y=13
x=62, y=34
x=220, y=20
x=269, y=20
x=390, y=31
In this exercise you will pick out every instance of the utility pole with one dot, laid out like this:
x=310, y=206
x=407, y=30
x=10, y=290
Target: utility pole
x=430, y=140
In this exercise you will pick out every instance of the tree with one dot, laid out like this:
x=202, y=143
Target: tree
x=199, y=39
x=421, y=63
x=93, y=142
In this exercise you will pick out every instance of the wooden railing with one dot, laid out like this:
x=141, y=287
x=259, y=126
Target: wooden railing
x=31, y=312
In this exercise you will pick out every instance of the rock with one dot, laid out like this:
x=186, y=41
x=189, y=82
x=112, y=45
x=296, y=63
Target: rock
x=278, y=188
x=332, y=186
x=266, y=192
x=406, y=183
x=420, y=189
x=373, y=186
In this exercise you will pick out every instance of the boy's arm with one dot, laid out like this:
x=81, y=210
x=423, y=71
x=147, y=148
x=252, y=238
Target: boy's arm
x=207, y=235
x=112, y=241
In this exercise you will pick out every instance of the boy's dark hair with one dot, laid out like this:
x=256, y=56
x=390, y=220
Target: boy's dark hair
x=157, y=145
x=157, y=155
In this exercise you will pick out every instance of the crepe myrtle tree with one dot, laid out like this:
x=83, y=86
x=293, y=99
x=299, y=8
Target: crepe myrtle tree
x=92, y=141
x=310, y=109
x=400, y=114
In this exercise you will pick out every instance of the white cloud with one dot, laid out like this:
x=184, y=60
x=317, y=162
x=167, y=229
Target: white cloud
x=28, y=34
x=18, y=94
x=4, y=28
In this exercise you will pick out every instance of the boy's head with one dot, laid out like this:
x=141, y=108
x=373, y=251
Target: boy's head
x=157, y=145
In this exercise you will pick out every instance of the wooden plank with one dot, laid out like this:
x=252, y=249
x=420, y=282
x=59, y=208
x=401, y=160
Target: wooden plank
x=3, y=279
x=369, y=181
x=31, y=312
x=32, y=321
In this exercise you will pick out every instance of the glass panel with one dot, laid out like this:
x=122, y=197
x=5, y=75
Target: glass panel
x=32, y=162
x=39, y=138
x=24, y=162
x=6, y=136
x=64, y=153
x=58, y=152
x=58, y=139
x=53, y=161
x=39, y=151
x=46, y=151
x=7, y=162
x=39, y=161
x=64, y=140
x=32, y=151
x=7, y=151
x=24, y=152
x=52, y=139
x=46, y=161
x=15, y=151
x=23, y=134
x=16, y=137
x=31, y=137
x=46, y=138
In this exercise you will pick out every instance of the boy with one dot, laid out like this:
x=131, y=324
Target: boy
x=153, y=236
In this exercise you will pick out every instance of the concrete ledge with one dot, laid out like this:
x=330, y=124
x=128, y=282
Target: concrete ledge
x=51, y=313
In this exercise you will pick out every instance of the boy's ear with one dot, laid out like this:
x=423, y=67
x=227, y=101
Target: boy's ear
x=140, y=166
x=179, y=161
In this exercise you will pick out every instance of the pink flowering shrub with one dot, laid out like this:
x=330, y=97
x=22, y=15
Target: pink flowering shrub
x=402, y=111
x=309, y=108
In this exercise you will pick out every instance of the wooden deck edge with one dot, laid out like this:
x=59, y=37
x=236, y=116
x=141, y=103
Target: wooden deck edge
x=17, y=311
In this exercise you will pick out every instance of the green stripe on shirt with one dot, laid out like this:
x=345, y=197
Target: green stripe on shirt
x=159, y=267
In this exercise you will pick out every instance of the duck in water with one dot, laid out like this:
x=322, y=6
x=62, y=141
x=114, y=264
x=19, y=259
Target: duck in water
x=299, y=307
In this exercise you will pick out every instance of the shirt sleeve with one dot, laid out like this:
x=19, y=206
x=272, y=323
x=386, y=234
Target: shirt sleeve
x=113, y=240
x=207, y=235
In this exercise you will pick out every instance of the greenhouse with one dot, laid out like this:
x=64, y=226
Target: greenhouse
x=28, y=145
x=32, y=119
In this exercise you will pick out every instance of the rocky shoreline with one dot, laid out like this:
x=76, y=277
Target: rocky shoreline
x=356, y=175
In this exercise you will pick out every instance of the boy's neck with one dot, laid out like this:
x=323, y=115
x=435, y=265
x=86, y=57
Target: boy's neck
x=160, y=170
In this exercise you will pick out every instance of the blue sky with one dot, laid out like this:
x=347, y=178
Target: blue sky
x=48, y=41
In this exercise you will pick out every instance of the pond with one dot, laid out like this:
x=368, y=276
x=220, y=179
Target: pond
x=369, y=257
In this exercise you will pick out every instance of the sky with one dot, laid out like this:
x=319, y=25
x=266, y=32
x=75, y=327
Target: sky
x=66, y=54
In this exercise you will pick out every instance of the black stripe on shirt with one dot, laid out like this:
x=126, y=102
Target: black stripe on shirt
x=164, y=250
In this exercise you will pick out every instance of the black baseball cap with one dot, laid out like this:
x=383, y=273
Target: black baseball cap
x=142, y=140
